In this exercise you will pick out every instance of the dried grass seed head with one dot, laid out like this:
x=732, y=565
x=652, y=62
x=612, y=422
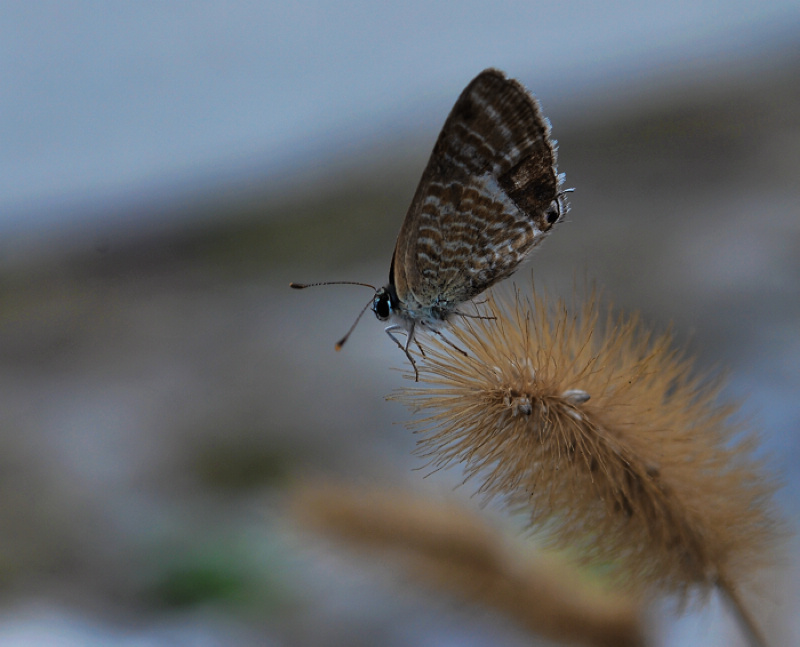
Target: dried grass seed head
x=603, y=435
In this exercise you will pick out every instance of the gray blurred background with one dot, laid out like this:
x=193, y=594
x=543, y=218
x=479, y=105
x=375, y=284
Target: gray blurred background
x=167, y=168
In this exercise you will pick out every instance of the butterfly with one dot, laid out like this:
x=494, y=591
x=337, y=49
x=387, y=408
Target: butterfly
x=489, y=194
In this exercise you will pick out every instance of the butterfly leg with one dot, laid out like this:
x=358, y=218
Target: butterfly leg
x=477, y=314
x=449, y=343
x=469, y=316
x=410, y=334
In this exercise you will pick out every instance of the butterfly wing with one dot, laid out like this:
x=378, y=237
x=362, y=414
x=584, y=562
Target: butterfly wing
x=489, y=194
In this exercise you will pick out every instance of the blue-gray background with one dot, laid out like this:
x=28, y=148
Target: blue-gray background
x=167, y=168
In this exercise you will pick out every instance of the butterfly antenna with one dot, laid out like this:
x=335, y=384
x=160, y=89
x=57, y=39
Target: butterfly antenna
x=341, y=342
x=303, y=286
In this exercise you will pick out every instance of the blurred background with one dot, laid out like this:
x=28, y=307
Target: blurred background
x=167, y=168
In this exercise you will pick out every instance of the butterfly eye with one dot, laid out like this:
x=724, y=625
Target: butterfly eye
x=381, y=306
x=553, y=212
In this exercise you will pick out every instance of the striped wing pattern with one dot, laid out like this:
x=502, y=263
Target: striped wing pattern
x=489, y=194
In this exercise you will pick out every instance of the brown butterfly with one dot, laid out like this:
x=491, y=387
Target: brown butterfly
x=489, y=194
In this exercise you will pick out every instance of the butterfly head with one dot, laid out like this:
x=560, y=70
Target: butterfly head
x=384, y=302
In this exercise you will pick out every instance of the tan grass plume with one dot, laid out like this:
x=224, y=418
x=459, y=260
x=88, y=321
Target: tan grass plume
x=605, y=437
x=444, y=545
